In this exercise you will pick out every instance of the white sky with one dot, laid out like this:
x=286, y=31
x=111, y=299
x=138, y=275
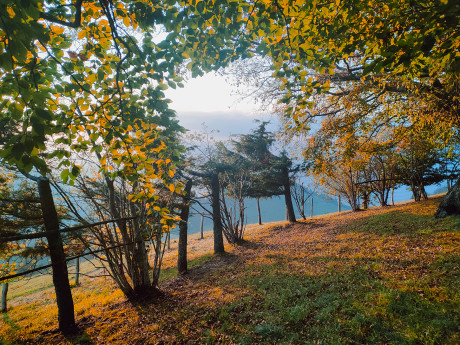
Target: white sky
x=214, y=102
x=209, y=93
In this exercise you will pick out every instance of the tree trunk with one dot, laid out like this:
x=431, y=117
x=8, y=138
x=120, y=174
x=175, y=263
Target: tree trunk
x=77, y=271
x=289, y=207
x=302, y=210
x=339, y=203
x=183, y=227
x=423, y=192
x=258, y=211
x=290, y=214
x=139, y=259
x=4, y=297
x=215, y=204
x=450, y=205
x=366, y=200
x=311, y=211
x=416, y=193
x=64, y=299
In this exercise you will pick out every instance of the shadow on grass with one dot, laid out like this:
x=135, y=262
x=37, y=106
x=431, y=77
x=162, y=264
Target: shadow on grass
x=347, y=308
x=80, y=339
x=202, y=263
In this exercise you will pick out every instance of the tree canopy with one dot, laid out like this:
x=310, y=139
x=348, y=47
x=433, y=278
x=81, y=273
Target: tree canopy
x=89, y=76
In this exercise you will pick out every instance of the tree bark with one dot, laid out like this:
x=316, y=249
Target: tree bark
x=77, y=271
x=366, y=200
x=290, y=214
x=168, y=239
x=183, y=227
x=215, y=204
x=450, y=205
x=4, y=297
x=64, y=299
x=201, y=226
x=423, y=192
x=258, y=211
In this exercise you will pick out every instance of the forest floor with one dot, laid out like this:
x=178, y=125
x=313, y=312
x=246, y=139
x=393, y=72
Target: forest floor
x=382, y=276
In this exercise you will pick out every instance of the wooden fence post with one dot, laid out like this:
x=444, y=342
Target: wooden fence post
x=201, y=226
x=64, y=299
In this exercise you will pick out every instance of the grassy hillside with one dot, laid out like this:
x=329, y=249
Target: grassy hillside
x=384, y=276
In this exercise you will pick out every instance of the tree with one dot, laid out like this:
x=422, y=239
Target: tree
x=392, y=46
x=87, y=76
x=211, y=180
x=24, y=212
x=269, y=174
x=183, y=227
x=419, y=164
x=136, y=230
x=234, y=183
x=19, y=213
x=323, y=52
x=300, y=194
x=255, y=149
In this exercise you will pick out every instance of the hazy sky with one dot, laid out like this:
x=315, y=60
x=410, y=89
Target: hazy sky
x=213, y=101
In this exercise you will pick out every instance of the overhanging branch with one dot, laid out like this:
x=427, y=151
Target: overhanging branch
x=77, y=20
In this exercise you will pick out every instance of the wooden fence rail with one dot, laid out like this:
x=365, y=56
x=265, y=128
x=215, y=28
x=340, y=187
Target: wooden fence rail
x=7, y=239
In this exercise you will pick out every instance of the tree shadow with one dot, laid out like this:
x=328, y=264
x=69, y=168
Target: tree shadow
x=80, y=338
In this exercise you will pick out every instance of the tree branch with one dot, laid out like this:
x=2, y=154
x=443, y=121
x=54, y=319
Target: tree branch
x=77, y=20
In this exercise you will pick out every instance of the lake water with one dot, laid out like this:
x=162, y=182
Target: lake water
x=273, y=209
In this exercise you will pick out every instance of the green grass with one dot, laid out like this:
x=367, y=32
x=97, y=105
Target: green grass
x=350, y=305
x=348, y=308
x=404, y=224
x=171, y=272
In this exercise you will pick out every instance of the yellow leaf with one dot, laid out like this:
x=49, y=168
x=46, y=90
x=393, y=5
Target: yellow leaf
x=104, y=22
x=172, y=188
x=57, y=29
x=10, y=11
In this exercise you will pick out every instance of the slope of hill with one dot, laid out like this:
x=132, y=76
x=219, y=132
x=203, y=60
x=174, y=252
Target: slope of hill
x=384, y=276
